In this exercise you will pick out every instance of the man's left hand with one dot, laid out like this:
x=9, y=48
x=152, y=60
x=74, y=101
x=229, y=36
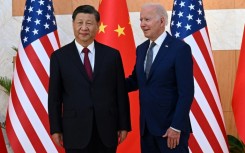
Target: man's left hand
x=172, y=138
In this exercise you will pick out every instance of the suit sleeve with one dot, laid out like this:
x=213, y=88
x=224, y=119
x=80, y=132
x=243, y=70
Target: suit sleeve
x=122, y=98
x=185, y=85
x=131, y=81
x=54, y=96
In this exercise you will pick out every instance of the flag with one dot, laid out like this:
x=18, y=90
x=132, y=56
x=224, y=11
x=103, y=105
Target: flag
x=188, y=23
x=3, y=148
x=27, y=123
x=115, y=31
x=238, y=104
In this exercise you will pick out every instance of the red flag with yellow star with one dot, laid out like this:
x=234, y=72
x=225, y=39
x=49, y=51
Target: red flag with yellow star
x=115, y=31
x=2, y=143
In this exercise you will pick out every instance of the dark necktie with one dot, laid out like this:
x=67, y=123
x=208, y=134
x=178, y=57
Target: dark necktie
x=87, y=64
x=149, y=59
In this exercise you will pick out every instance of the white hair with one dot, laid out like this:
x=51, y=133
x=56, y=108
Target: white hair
x=160, y=10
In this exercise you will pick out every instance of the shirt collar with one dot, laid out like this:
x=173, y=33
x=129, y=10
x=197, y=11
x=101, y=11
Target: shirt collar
x=80, y=47
x=160, y=39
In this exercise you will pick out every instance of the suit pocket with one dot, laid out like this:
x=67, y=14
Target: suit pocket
x=69, y=114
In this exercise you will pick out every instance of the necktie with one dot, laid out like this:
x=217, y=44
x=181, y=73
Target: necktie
x=87, y=64
x=149, y=59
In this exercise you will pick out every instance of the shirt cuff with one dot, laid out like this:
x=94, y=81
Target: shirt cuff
x=175, y=129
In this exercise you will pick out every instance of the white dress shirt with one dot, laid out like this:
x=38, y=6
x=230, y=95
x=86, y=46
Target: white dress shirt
x=91, y=53
x=156, y=48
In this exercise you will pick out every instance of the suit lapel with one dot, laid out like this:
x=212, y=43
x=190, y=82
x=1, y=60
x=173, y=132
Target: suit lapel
x=77, y=60
x=161, y=53
x=141, y=58
x=99, y=56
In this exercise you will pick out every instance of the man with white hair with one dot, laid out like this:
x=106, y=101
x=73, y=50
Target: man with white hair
x=163, y=73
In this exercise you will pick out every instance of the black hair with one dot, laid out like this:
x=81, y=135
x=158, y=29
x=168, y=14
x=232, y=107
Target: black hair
x=88, y=9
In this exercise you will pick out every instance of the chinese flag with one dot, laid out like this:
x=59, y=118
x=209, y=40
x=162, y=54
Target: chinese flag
x=115, y=31
x=238, y=100
x=2, y=143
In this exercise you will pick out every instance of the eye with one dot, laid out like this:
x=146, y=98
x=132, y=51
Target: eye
x=89, y=24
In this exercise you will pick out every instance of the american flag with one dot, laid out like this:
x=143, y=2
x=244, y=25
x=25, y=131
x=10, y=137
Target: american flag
x=27, y=123
x=189, y=24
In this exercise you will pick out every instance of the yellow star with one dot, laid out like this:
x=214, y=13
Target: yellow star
x=120, y=31
x=102, y=27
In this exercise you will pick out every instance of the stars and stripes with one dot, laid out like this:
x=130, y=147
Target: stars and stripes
x=187, y=18
x=38, y=21
x=27, y=123
x=188, y=23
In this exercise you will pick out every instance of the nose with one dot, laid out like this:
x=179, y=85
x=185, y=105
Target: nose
x=142, y=23
x=83, y=27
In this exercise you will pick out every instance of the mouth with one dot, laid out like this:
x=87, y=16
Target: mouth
x=145, y=30
x=83, y=34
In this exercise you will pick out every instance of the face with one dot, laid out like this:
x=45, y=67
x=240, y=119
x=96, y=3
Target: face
x=151, y=23
x=85, y=28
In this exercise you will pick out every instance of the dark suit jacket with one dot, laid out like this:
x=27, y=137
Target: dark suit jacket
x=74, y=99
x=166, y=96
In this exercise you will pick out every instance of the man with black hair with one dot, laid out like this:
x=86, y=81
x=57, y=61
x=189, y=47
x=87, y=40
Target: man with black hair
x=88, y=104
